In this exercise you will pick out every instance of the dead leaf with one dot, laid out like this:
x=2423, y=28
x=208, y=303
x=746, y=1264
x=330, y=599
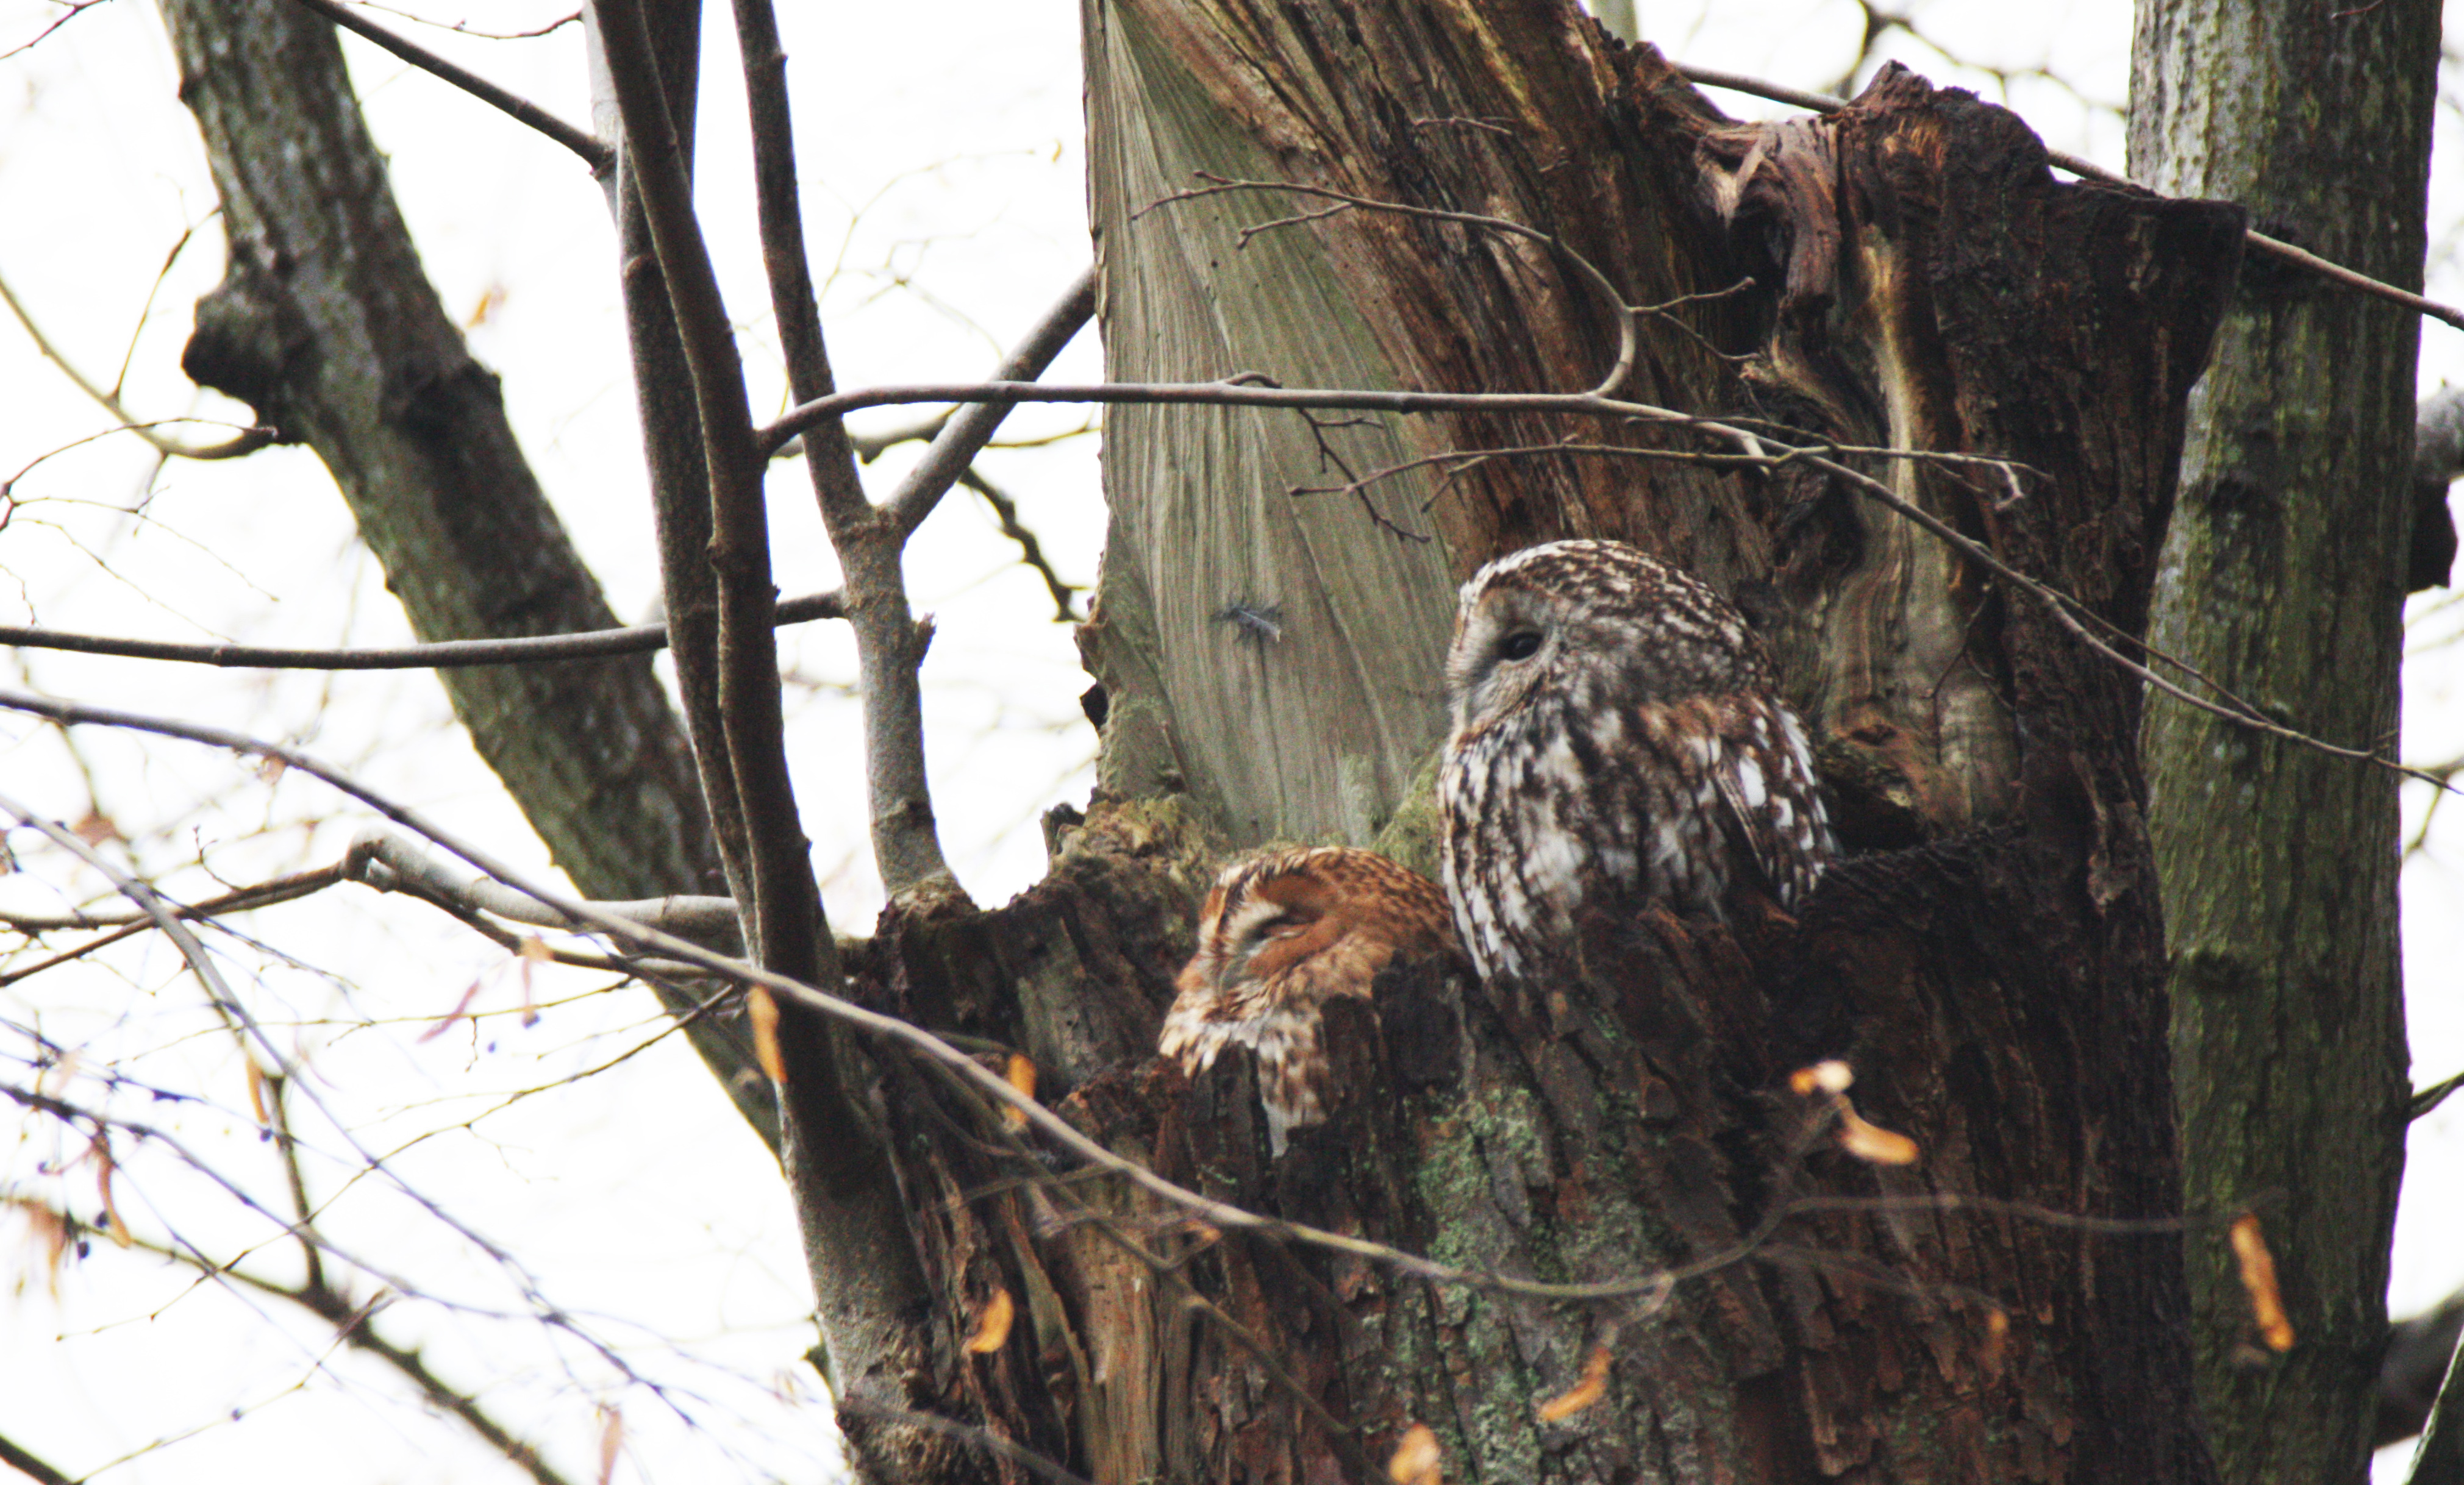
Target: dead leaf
x=1830, y=1076
x=1591, y=1388
x=95, y=828
x=2258, y=1278
x=112, y=1226
x=490, y=299
x=1022, y=1076
x=49, y=1229
x=611, y=1440
x=534, y=950
x=992, y=1326
x=256, y=1091
x=1872, y=1143
x=763, y=1012
x=1415, y=1460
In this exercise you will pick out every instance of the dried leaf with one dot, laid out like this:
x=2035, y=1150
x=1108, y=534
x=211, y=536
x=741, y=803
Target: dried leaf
x=1830, y=1076
x=611, y=1440
x=1415, y=1460
x=992, y=1326
x=256, y=1091
x=1593, y=1385
x=112, y=1226
x=763, y=1012
x=95, y=828
x=49, y=1229
x=451, y=1017
x=490, y=299
x=2258, y=1278
x=1872, y=1143
x=1022, y=1076
x=534, y=950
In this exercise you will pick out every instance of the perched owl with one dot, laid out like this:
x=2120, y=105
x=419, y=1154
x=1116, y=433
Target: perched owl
x=1280, y=934
x=1617, y=741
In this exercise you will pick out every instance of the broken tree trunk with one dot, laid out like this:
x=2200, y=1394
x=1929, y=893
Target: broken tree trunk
x=2011, y=1306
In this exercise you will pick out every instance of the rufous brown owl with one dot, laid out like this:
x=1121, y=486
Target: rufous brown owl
x=1619, y=742
x=1280, y=934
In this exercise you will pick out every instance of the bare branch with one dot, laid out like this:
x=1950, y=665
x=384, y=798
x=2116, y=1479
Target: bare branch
x=353, y=1323
x=1241, y=391
x=388, y=861
x=782, y=906
x=1030, y=547
x=594, y=152
x=10, y=1455
x=246, y=442
x=534, y=649
x=964, y=433
x=1628, y=344
x=281, y=889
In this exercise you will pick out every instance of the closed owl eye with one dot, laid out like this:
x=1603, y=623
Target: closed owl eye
x=1521, y=644
x=1283, y=925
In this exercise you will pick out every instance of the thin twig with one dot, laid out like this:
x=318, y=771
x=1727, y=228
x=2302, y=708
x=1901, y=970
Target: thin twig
x=1241, y=391
x=965, y=433
x=353, y=1323
x=594, y=152
x=1629, y=345
x=245, y=441
x=447, y=654
x=870, y=541
x=1031, y=546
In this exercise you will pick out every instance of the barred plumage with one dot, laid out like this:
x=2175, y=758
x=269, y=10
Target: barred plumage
x=1617, y=742
x=1280, y=934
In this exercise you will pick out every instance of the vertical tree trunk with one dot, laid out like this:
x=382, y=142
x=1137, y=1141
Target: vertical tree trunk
x=2284, y=580
x=1990, y=961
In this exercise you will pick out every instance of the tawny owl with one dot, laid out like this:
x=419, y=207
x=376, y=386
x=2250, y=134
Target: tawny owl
x=1617, y=741
x=1280, y=934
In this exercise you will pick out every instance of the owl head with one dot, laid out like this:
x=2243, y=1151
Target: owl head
x=1279, y=935
x=1573, y=619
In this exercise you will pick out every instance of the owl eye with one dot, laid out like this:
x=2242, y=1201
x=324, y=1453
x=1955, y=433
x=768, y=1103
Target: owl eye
x=1521, y=644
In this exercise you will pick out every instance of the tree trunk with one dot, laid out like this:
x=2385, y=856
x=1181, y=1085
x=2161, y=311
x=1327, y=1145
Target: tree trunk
x=2284, y=580
x=1989, y=958
x=326, y=325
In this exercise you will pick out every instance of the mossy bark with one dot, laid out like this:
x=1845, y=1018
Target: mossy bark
x=2284, y=580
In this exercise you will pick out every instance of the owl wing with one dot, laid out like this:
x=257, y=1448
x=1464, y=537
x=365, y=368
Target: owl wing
x=1764, y=772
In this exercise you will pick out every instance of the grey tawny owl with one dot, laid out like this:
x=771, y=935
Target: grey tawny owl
x=1280, y=934
x=1617, y=742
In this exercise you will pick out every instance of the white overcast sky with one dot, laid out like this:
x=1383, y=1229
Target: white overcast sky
x=940, y=152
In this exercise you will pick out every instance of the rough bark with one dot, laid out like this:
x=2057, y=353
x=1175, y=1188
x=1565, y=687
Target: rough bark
x=325, y=324
x=1989, y=960
x=2284, y=580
